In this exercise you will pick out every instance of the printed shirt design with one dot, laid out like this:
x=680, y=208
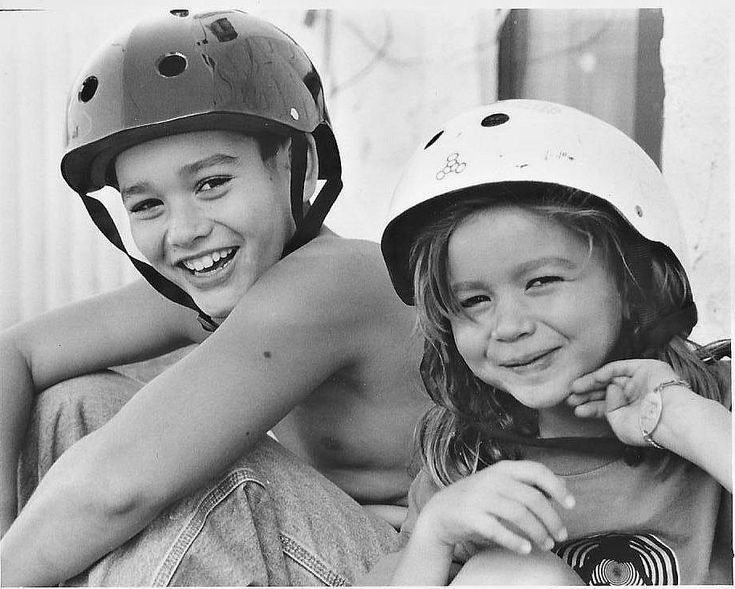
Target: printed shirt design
x=621, y=559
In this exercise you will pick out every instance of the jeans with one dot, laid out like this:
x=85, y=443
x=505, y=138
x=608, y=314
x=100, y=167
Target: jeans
x=270, y=519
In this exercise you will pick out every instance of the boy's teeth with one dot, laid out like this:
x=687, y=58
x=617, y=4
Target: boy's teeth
x=207, y=260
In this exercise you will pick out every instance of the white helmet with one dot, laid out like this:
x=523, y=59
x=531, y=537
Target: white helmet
x=527, y=141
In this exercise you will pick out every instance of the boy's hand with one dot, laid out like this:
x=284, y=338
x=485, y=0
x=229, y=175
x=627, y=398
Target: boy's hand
x=615, y=392
x=510, y=504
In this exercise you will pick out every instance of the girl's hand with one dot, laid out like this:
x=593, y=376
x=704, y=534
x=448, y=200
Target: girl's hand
x=615, y=392
x=509, y=504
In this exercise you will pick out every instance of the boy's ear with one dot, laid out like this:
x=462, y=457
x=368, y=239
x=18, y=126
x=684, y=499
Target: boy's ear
x=312, y=168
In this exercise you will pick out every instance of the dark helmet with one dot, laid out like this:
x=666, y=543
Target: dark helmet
x=223, y=70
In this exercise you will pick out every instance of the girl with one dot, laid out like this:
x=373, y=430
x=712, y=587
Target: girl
x=543, y=254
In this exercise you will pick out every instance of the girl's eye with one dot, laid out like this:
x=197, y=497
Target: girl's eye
x=543, y=281
x=211, y=184
x=474, y=301
x=146, y=207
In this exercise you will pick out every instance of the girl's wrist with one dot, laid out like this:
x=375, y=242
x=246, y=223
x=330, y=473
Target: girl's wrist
x=426, y=533
x=679, y=406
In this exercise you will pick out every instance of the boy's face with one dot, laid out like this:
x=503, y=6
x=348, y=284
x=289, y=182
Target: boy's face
x=207, y=212
x=541, y=308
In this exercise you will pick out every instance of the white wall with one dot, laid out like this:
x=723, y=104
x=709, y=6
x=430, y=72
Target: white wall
x=393, y=75
x=696, y=57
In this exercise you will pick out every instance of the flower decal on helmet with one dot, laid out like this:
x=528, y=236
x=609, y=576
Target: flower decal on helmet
x=453, y=165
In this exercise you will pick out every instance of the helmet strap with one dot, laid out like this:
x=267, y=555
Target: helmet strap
x=308, y=226
x=680, y=322
x=638, y=259
x=652, y=331
x=632, y=455
x=102, y=219
x=298, y=177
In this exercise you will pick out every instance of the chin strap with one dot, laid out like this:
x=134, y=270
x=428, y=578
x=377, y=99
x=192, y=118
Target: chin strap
x=308, y=226
x=633, y=455
x=102, y=219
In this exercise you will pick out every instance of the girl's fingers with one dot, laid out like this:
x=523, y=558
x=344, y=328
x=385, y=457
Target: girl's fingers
x=518, y=517
x=576, y=399
x=604, y=375
x=543, y=510
x=491, y=530
x=591, y=410
x=536, y=475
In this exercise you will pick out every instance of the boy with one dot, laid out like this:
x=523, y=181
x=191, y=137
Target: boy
x=214, y=130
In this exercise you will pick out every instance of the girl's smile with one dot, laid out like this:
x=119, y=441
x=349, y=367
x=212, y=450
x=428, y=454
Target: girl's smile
x=540, y=308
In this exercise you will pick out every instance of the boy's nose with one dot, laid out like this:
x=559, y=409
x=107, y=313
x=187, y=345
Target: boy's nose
x=512, y=320
x=186, y=224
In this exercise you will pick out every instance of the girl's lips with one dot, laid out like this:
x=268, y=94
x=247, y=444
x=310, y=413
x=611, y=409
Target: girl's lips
x=532, y=363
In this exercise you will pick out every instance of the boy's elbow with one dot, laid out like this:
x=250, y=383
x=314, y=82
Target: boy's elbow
x=93, y=480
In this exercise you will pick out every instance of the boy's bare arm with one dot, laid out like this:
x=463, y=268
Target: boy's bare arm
x=297, y=326
x=122, y=326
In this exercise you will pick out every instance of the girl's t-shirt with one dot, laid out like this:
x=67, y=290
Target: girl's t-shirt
x=653, y=523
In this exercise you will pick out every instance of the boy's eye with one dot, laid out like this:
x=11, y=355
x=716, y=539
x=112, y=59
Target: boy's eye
x=146, y=207
x=542, y=281
x=474, y=301
x=212, y=183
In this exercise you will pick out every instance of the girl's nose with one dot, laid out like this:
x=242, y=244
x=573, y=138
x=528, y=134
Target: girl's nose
x=512, y=320
x=186, y=224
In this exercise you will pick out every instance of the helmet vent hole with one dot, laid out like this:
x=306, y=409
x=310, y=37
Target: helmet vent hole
x=181, y=12
x=638, y=210
x=89, y=88
x=495, y=119
x=170, y=66
x=433, y=139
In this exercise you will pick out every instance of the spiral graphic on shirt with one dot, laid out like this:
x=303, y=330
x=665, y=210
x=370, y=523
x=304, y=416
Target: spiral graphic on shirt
x=621, y=559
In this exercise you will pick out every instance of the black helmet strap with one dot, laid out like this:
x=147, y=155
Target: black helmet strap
x=102, y=219
x=308, y=226
x=298, y=176
x=652, y=330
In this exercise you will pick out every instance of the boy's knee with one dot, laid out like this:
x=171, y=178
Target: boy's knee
x=62, y=415
x=503, y=567
x=69, y=410
x=93, y=398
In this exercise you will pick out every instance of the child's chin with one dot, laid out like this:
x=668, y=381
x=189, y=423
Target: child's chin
x=215, y=311
x=541, y=397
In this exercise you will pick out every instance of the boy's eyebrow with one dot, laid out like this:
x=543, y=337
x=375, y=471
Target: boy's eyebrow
x=137, y=188
x=212, y=160
x=187, y=170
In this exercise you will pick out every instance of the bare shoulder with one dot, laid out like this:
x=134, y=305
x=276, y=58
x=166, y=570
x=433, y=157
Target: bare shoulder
x=334, y=279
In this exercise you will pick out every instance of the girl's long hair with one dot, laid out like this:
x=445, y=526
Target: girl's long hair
x=451, y=436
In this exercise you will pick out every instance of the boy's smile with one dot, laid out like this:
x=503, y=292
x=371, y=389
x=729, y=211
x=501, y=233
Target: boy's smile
x=541, y=309
x=207, y=212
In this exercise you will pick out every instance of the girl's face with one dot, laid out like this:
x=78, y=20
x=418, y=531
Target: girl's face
x=541, y=309
x=207, y=212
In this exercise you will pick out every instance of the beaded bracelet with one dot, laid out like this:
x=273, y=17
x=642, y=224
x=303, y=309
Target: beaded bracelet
x=651, y=408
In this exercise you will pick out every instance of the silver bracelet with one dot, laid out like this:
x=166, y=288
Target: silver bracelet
x=651, y=408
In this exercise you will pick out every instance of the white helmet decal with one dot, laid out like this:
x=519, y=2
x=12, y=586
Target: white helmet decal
x=453, y=165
